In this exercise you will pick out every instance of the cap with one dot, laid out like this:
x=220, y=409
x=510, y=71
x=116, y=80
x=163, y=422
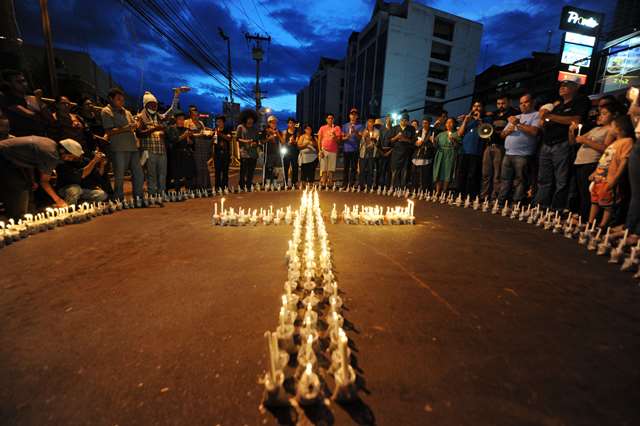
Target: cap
x=72, y=146
x=405, y=116
x=354, y=109
x=378, y=122
x=271, y=118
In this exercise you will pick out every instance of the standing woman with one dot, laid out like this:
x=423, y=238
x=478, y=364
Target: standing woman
x=307, y=145
x=446, y=145
x=368, y=153
x=181, y=165
x=291, y=155
x=273, y=157
x=203, y=148
x=247, y=136
x=592, y=145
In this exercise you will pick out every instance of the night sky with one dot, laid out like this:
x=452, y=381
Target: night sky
x=302, y=32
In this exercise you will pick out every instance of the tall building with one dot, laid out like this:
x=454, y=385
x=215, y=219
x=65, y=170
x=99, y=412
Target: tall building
x=323, y=94
x=410, y=57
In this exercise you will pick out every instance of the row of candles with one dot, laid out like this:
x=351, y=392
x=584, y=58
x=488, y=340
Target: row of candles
x=571, y=226
x=53, y=217
x=375, y=215
x=248, y=217
x=311, y=284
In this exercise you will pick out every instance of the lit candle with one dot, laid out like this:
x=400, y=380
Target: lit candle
x=343, y=354
x=272, y=355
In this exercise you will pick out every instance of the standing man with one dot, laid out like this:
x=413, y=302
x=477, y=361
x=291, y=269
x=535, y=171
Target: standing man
x=493, y=153
x=351, y=135
x=221, y=152
x=553, y=168
x=202, y=148
x=422, y=161
x=383, y=168
x=471, y=161
x=152, y=137
x=520, y=141
x=120, y=127
x=27, y=115
x=328, y=137
x=402, y=139
x=291, y=155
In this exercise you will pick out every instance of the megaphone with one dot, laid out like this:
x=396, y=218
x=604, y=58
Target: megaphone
x=485, y=130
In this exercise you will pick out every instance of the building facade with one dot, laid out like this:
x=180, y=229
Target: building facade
x=323, y=94
x=535, y=75
x=410, y=57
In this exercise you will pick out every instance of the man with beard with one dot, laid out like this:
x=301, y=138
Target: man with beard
x=494, y=151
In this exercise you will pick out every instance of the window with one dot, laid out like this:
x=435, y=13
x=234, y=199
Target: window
x=439, y=71
x=441, y=51
x=436, y=90
x=443, y=29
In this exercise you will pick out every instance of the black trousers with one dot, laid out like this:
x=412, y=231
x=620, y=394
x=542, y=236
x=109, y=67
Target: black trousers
x=383, y=171
x=247, y=169
x=15, y=190
x=583, y=171
x=221, y=163
x=422, y=176
x=291, y=161
x=469, y=174
x=309, y=171
x=350, y=168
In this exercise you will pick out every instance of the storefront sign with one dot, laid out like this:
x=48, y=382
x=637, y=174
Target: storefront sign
x=581, y=21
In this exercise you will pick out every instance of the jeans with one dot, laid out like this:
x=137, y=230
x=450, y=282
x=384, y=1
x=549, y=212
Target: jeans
x=514, y=176
x=74, y=193
x=221, y=164
x=350, y=166
x=156, y=173
x=366, y=172
x=491, y=170
x=553, y=169
x=127, y=160
x=383, y=171
x=291, y=161
x=422, y=176
x=247, y=169
x=468, y=174
x=583, y=171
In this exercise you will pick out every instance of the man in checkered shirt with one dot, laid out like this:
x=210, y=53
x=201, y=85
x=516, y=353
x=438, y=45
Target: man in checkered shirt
x=151, y=133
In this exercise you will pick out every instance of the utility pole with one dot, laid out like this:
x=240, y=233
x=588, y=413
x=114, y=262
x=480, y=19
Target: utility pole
x=48, y=45
x=549, y=34
x=226, y=38
x=258, y=55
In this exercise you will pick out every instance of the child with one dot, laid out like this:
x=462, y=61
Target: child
x=610, y=167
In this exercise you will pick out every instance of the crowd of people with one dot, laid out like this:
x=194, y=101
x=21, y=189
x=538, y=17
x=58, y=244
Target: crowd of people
x=558, y=155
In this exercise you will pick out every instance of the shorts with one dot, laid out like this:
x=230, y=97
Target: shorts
x=328, y=162
x=600, y=195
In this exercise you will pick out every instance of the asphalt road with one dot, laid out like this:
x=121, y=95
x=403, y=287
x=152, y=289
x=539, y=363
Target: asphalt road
x=155, y=317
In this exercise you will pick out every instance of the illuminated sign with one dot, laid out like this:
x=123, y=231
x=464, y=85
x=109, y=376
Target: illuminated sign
x=576, y=54
x=564, y=75
x=581, y=21
x=580, y=39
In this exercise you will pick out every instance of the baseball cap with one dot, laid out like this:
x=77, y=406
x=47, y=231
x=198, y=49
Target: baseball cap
x=72, y=147
x=570, y=80
x=354, y=109
x=272, y=118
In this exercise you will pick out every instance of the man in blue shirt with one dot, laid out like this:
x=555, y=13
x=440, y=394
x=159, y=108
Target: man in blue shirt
x=351, y=135
x=471, y=159
x=521, y=142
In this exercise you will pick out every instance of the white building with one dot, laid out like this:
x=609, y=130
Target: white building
x=410, y=57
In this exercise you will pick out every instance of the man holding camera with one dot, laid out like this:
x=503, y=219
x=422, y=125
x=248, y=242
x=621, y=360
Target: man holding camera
x=77, y=176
